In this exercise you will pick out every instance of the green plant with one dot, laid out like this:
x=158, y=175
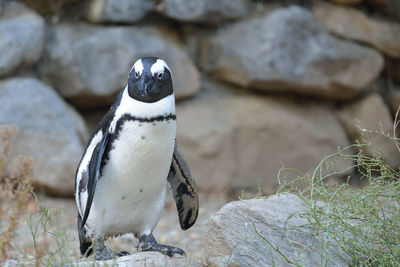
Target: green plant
x=364, y=222
x=50, y=240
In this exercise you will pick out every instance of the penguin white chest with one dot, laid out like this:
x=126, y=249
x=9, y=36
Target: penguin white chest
x=142, y=151
x=131, y=191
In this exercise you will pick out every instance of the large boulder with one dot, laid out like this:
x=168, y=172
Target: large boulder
x=88, y=64
x=369, y=120
x=118, y=11
x=21, y=37
x=290, y=50
x=237, y=141
x=50, y=132
x=243, y=232
x=353, y=24
x=206, y=11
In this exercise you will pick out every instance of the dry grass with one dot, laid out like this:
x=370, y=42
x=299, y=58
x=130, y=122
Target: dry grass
x=15, y=191
x=16, y=196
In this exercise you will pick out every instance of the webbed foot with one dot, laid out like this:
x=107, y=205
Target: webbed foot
x=101, y=252
x=149, y=243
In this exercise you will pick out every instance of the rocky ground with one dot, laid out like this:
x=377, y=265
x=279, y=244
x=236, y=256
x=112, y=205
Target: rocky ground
x=273, y=68
x=241, y=233
x=63, y=212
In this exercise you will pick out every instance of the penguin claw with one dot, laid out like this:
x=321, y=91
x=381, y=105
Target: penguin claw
x=103, y=254
x=149, y=243
x=164, y=249
x=122, y=253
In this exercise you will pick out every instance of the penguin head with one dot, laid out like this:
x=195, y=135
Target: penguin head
x=150, y=80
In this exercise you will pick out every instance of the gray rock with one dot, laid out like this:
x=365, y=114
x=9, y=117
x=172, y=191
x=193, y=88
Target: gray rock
x=49, y=131
x=290, y=50
x=146, y=259
x=353, y=24
x=21, y=37
x=206, y=11
x=368, y=121
x=15, y=263
x=126, y=11
x=232, y=141
x=231, y=240
x=89, y=64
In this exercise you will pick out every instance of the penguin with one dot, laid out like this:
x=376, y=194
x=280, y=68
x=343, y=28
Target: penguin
x=120, y=182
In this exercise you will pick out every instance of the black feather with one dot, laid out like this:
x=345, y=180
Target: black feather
x=94, y=172
x=84, y=242
x=184, y=191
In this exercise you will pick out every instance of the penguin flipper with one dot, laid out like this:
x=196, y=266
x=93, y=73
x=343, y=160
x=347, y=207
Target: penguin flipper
x=184, y=190
x=94, y=172
x=84, y=242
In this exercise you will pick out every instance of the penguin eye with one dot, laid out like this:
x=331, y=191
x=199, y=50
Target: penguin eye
x=160, y=75
x=137, y=75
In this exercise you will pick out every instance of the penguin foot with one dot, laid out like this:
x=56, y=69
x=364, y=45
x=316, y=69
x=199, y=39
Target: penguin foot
x=164, y=249
x=104, y=253
x=149, y=243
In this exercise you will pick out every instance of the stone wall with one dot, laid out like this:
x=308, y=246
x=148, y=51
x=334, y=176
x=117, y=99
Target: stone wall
x=259, y=84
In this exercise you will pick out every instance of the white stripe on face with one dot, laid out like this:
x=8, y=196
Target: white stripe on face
x=138, y=66
x=159, y=66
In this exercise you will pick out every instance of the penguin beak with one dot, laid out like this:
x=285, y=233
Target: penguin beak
x=145, y=85
x=143, y=90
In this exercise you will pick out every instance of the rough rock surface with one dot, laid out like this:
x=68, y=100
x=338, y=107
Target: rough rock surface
x=117, y=11
x=297, y=54
x=374, y=118
x=231, y=240
x=206, y=11
x=21, y=37
x=236, y=140
x=50, y=132
x=353, y=24
x=146, y=259
x=89, y=64
x=63, y=213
